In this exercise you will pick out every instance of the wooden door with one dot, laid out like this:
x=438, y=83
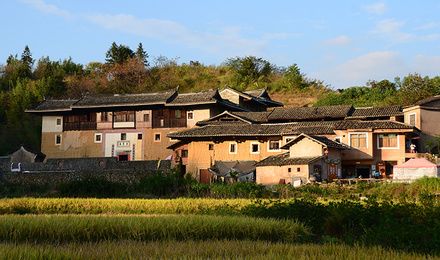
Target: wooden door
x=205, y=176
x=332, y=172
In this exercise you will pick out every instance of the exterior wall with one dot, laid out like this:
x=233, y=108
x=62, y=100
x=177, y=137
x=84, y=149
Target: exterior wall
x=271, y=175
x=200, y=157
x=56, y=171
x=415, y=173
x=389, y=154
x=198, y=115
x=74, y=144
x=157, y=149
x=306, y=148
x=231, y=96
x=49, y=124
x=113, y=145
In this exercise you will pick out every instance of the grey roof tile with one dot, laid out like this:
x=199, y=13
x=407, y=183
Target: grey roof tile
x=281, y=129
x=53, y=105
x=369, y=112
x=97, y=101
x=301, y=113
x=285, y=159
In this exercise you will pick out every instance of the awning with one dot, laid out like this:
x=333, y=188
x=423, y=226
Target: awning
x=224, y=168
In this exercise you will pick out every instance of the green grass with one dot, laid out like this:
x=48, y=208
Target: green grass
x=197, y=249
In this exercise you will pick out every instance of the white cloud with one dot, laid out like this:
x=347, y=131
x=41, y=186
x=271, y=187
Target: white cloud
x=228, y=42
x=426, y=65
x=390, y=29
x=50, y=9
x=340, y=41
x=377, y=8
x=428, y=26
x=388, y=26
x=372, y=66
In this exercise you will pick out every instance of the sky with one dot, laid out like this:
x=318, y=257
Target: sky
x=343, y=43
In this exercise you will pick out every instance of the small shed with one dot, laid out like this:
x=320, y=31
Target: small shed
x=416, y=168
x=26, y=155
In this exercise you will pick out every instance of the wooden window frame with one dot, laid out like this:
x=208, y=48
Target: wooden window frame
x=387, y=147
x=358, y=133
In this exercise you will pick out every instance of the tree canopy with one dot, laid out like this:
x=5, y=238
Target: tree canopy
x=24, y=82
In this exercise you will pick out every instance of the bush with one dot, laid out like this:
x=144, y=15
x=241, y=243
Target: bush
x=238, y=190
x=92, y=188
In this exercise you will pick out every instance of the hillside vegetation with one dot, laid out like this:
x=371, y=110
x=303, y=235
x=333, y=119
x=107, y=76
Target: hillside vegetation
x=24, y=82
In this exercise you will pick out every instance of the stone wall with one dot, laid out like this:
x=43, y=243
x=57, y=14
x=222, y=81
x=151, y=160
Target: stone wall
x=56, y=171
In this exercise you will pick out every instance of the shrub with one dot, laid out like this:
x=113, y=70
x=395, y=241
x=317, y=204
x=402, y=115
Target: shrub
x=92, y=188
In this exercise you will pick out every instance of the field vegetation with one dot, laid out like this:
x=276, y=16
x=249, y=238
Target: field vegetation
x=366, y=219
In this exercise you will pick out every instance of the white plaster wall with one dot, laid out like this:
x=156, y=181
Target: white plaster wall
x=415, y=173
x=199, y=114
x=113, y=139
x=49, y=124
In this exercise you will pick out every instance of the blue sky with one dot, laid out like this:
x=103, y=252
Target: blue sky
x=343, y=43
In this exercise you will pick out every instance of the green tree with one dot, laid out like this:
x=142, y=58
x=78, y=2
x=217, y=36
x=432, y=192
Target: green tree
x=250, y=66
x=117, y=54
x=294, y=77
x=142, y=55
x=414, y=87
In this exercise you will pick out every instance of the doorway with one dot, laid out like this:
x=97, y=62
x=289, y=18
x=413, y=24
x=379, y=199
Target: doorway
x=364, y=172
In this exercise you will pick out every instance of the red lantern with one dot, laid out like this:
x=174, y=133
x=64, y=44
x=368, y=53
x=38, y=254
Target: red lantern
x=326, y=153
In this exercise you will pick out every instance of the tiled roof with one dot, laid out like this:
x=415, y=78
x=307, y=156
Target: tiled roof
x=298, y=113
x=296, y=128
x=206, y=96
x=258, y=117
x=53, y=105
x=245, y=95
x=284, y=159
x=320, y=139
x=262, y=95
x=115, y=100
x=368, y=112
x=426, y=100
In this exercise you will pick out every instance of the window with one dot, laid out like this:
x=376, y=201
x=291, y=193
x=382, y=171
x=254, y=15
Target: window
x=298, y=169
x=232, y=148
x=58, y=121
x=139, y=136
x=190, y=115
x=184, y=154
x=274, y=145
x=123, y=136
x=157, y=137
x=58, y=139
x=288, y=139
x=412, y=119
x=146, y=117
x=338, y=140
x=211, y=147
x=98, y=138
x=105, y=116
x=255, y=148
x=289, y=169
x=388, y=141
x=124, y=116
x=358, y=140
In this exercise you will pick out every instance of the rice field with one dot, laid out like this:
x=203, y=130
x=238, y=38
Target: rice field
x=33, y=228
x=197, y=249
x=117, y=206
